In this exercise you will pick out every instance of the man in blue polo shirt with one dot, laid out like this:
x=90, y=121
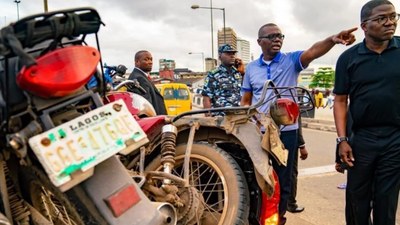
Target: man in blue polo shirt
x=283, y=69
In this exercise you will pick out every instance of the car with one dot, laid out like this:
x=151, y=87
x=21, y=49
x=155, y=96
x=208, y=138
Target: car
x=177, y=97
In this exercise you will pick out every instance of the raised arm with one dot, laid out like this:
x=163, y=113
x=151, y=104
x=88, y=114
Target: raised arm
x=320, y=48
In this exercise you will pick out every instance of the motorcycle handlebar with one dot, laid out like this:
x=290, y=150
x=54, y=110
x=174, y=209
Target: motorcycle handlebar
x=135, y=83
x=264, y=93
x=268, y=85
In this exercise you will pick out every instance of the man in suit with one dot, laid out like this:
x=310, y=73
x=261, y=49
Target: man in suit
x=143, y=66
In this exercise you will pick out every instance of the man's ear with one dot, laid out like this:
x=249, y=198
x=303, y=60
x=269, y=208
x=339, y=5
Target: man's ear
x=363, y=26
x=259, y=42
x=219, y=57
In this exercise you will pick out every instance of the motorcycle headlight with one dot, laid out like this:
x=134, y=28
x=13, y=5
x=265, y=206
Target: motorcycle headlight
x=284, y=111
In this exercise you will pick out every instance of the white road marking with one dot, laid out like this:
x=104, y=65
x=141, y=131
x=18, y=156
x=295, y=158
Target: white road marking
x=320, y=131
x=316, y=170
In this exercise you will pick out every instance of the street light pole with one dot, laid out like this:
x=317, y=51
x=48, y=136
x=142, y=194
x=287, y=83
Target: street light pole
x=46, y=9
x=16, y=1
x=223, y=9
x=211, y=9
x=202, y=53
x=212, y=36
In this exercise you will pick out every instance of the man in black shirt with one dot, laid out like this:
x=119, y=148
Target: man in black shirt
x=370, y=74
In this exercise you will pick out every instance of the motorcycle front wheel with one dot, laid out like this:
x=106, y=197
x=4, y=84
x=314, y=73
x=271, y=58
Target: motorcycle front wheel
x=219, y=179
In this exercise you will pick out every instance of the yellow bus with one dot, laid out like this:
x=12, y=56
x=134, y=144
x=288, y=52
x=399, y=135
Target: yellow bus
x=177, y=97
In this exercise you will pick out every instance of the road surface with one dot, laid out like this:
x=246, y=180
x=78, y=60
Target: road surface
x=318, y=181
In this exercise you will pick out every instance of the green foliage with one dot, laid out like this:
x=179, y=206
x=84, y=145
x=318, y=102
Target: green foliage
x=324, y=78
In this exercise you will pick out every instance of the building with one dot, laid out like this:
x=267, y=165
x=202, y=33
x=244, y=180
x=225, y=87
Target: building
x=305, y=77
x=193, y=75
x=210, y=64
x=154, y=75
x=169, y=74
x=166, y=64
x=230, y=37
x=243, y=48
x=162, y=80
x=178, y=71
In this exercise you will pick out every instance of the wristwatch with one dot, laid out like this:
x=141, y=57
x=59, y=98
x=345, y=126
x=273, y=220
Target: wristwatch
x=340, y=139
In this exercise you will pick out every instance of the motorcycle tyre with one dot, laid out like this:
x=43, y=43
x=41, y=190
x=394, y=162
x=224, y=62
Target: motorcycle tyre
x=238, y=191
x=33, y=174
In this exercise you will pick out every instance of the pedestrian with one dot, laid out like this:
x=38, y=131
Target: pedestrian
x=310, y=100
x=143, y=66
x=319, y=99
x=369, y=75
x=283, y=69
x=301, y=146
x=330, y=99
x=223, y=85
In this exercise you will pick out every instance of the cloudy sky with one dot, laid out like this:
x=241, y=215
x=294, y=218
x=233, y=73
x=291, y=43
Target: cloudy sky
x=171, y=29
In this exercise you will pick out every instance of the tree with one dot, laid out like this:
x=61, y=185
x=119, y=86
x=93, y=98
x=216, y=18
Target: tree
x=324, y=78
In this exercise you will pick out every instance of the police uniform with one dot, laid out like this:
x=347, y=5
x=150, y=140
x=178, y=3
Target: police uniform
x=222, y=87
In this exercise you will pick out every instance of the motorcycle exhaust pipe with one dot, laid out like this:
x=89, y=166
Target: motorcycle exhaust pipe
x=168, y=211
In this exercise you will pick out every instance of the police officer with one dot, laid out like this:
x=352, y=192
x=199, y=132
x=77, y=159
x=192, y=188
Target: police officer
x=222, y=85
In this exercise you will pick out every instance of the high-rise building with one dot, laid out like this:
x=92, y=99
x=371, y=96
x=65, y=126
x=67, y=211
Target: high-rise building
x=243, y=48
x=166, y=64
x=210, y=63
x=230, y=37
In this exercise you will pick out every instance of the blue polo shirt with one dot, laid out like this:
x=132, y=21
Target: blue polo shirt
x=283, y=70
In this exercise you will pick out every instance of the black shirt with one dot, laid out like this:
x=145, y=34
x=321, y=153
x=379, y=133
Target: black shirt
x=372, y=81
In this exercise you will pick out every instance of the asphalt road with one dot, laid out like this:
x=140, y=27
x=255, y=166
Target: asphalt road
x=318, y=181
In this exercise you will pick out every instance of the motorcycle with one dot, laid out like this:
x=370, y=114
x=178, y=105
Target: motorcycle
x=213, y=170
x=58, y=141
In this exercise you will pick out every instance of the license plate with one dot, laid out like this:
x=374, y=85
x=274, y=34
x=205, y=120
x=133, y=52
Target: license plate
x=86, y=141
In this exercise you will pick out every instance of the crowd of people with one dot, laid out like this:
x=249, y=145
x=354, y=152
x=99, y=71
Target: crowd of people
x=373, y=180
x=318, y=96
x=221, y=90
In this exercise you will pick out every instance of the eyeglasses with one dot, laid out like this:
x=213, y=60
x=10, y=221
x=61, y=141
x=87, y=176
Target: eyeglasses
x=272, y=37
x=383, y=19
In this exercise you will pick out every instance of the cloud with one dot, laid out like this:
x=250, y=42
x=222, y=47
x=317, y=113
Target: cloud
x=171, y=29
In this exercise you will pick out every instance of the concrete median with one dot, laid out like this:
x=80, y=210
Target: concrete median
x=323, y=116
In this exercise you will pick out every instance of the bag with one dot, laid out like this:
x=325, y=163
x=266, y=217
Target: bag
x=271, y=141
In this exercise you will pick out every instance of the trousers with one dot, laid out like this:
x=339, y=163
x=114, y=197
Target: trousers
x=374, y=178
x=289, y=139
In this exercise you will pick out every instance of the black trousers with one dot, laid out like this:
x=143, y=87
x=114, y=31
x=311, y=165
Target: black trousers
x=292, y=202
x=289, y=139
x=374, y=178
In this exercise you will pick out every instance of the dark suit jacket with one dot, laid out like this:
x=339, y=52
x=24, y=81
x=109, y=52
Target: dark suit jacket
x=152, y=95
x=300, y=138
